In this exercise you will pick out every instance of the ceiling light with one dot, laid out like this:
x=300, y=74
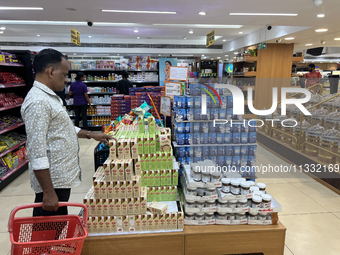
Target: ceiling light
x=38, y=35
x=22, y=8
x=200, y=25
x=135, y=31
x=212, y=59
x=184, y=38
x=70, y=9
x=218, y=57
x=131, y=11
x=191, y=32
x=117, y=54
x=224, y=40
x=90, y=36
x=2, y=28
x=64, y=23
x=74, y=53
x=202, y=13
x=289, y=38
x=262, y=14
x=226, y=55
x=308, y=44
x=235, y=53
x=240, y=33
x=182, y=55
x=321, y=30
x=202, y=55
x=337, y=39
x=320, y=15
x=1, y=32
x=138, y=37
x=159, y=55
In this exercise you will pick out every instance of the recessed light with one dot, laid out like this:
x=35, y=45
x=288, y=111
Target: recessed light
x=320, y=15
x=138, y=37
x=226, y=55
x=117, y=54
x=240, y=33
x=74, y=53
x=136, y=30
x=2, y=28
x=202, y=55
x=132, y=11
x=218, y=57
x=202, y=13
x=184, y=38
x=38, y=35
x=22, y=8
x=90, y=36
x=321, y=30
x=1, y=32
x=159, y=55
x=235, y=53
x=262, y=14
x=191, y=31
x=197, y=25
x=224, y=40
x=337, y=39
x=308, y=44
x=289, y=38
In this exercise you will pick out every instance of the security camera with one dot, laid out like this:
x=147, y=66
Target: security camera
x=269, y=27
x=278, y=40
x=317, y=2
x=90, y=23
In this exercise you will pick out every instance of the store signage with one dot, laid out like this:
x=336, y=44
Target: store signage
x=172, y=89
x=75, y=36
x=262, y=46
x=238, y=99
x=210, y=38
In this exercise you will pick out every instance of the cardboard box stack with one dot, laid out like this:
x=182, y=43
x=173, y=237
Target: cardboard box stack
x=120, y=105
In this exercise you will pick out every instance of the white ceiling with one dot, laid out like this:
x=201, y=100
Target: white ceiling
x=217, y=13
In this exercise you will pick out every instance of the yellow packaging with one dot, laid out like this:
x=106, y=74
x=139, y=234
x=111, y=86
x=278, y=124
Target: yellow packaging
x=93, y=207
x=122, y=189
x=128, y=169
x=124, y=206
x=165, y=143
x=96, y=187
x=132, y=223
x=89, y=225
x=114, y=171
x=168, y=221
x=107, y=170
x=99, y=207
x=127, y=149
x=131, y=206
x=180, y=218
x=174, y=220
x=112, y=144
x=156, y=223
x=136, y=188
x=107, y=225
x=136, y=205
x=118, y=206
x=126, y=223
x=103, y=190
x=144, y=219
x=87, y=203
x=129, y=189
x=150, y=222
x=158, y=207
x=106, y=208
x=110, y=190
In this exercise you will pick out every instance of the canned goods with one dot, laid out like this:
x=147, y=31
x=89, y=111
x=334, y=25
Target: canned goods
x=236, y=138
x=189, y=151
x=244, y=137
x=197, y=102
x=212, y=138
x=205, y=151
x=197, y=127
x=190, y=102
x=236, y=150
x=213, y=150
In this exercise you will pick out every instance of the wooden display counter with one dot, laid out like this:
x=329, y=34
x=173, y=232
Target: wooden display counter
x=195, y=240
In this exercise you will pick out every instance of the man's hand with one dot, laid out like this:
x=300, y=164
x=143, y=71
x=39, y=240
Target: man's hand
x=104, y=138
x=50, y=201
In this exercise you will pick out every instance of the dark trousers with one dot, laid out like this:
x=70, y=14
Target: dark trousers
x=63, y=196
x=83, y=110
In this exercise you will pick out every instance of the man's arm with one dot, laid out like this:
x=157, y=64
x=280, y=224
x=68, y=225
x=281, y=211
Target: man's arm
x=100, y=137
x=70, y=93
x=50, y=198
x=88, y=99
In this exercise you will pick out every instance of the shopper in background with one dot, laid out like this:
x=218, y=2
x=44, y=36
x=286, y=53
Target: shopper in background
x=124, y=84
x=295, y=79
x=312, y=78
x=80, y=99
x=52, y=139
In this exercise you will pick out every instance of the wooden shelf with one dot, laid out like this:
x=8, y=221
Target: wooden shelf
x=247, y=59
x=298, y=59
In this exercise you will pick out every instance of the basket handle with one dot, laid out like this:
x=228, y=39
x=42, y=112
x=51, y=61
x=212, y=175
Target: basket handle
x=34, y=205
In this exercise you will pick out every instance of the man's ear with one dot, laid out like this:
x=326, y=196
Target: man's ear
x=50, y=72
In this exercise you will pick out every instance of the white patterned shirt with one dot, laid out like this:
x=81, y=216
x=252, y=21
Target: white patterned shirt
x=52, y=141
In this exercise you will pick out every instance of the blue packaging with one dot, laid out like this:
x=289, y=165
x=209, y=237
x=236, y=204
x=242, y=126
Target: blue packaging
x=205, y=138
x=228, y=160
x=209, y=102
x=244, y=126
x=183, y=100
x=212, y=158
x=180, y=127
x=252, y=126
x=208, y=114
x=196, y=159
x=220, y=151
x=197, y=102
x=181, y=160
x=197, y=114
x=192, y=88
x=228, y=150
x=212, y=138
x=220, y=138
x=205, y=151
x=217, y=105
x=180, y=139
x=190, y=102
x=202, y=138
x=205, y=116
x=197, y=127
x=236, y=138
x=189, y=151
x=244, y=161
x=188, y=127
x=252, y=150
x=197, y=138
x=176, y=100
x=252, y=137
x=230, y=113
x=222, y=113
x=213, y=150
x=188, y=160
x=205, y=127
x=196, y=90
x=228, y=128
x=220, y=160
x=214, y=113
x=188, y=138
x=236, y=127
x=244, y=137
x=228, y=138
x=236, y=161
x=211, y=127
x=236, y=150
x=244, y=150
x=190, y=114
x=224, y=100
x=175, y=112
x=198, y=151
x=182, y=114
x=251, y=160
x=205, y=158
x=230, y=102
x=181, y=152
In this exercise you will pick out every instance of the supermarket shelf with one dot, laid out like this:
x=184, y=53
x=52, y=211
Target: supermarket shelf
x=2, y=86
x=11, y=128
x=110, y=70
x=13, y=174
x=12, y=149
x=9, y=107
x=298, y=59
x=144, y=82
x=246, y=74
x=215, y=144
x=101, y=93
x=91, y=104
x=89, y=82
x=11, y=64
x=247, y=59
x=72, y=116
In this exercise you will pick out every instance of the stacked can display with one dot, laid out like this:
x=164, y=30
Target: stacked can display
x=198, y=137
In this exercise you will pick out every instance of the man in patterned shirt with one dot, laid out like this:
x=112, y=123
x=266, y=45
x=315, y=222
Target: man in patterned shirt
x=52, y=139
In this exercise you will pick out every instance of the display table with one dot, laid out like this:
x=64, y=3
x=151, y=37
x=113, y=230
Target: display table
x=195, y=240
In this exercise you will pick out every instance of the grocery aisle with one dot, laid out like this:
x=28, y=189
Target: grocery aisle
x=311, y=212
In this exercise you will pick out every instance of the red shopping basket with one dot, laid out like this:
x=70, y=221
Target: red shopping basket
x=42, y=235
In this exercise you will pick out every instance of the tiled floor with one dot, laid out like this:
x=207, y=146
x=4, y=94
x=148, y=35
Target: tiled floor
x=311, y=212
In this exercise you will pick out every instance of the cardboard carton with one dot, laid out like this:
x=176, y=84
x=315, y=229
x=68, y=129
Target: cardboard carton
x=93, y=207
x=157, y=178
x=128, y=168
x=129, y=189
x=145, y=178
x=118, y=206
x=164, y=143
x=144, y=220
x=151, y=181
x=99, y=207
x=156, y=222
x=146, y=140
x=107, y=225
x=103, y=190
x=140, y=143
x=132, y=223
x=138, y=223
x=127, y=149
x=143, y=201
x=138, y=167
x=89, y=225
x=114, y=170
x=168, y=178
x=124, y=206
x=107, y=170
x=120, y=224
x=122, y=189
x=174, y=220
x=162, y=222
x=134, y=148
x=136, y=205
x=168, y=221
x=95, y=226
x=158, y=207
x=116, y=189
x=150, y=222
x=112, y=144
x=174, y=177
x=180, y=222
x=157, y=196
x=106, y=207
x=96, y=186
x=163, y=177
x=173, y=193
x=120, y=148
x=121, y=170
x=110, y=190
x=136, y=186
x=113, y=222
x=101, y=224
x=112, y=208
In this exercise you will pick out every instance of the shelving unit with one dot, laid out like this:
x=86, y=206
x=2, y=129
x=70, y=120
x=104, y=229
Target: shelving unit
x=9, y=107
x=12, y=85
x=12, y=149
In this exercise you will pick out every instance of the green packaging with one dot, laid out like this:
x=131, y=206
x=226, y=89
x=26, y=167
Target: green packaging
x=159, y=161
x=148, y=195
x=142, y=162
x=168, y=194
x=153, y=162
x=164, y=161
x=163, y=177
x=152, y=194
x=158, y=147
x=168, y=178
x=152, y=125
x=147, y=162
x=152, y=144
x=182, y=88
x=170, y=164
x=158, y=194
x=151, y=180
x=146, y=147
x=145, y=178
x=157, y=179
x=140, y=124
x=174, y=177
x=163, y=193
x=140, y=142
x=174, y=193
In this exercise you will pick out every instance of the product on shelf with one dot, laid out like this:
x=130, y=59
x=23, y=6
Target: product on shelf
x=11, y=160
x=10, y=78
x=10, y=140
x=6, y=57
x=8, y=121
x=120, y=105
x=9, y=99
